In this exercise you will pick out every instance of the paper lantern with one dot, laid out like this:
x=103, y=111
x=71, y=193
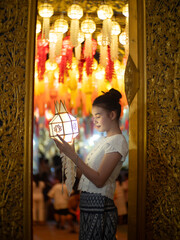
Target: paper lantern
x=75, y=12
x=60, y=27
x=88, y=26
x=115, y=31
x=63, y=124
x=46, y=11
x=123, y=38
x=105, y=13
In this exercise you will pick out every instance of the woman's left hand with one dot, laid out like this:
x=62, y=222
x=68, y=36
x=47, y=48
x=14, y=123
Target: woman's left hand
x=65, y=147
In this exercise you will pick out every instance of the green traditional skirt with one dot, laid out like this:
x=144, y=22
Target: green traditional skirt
x=98, y=217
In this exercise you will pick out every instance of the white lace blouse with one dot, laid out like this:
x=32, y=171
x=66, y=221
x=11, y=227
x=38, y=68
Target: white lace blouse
x=115, y=143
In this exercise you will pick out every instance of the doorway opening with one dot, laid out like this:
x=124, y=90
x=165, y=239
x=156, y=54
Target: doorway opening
x=75, y=74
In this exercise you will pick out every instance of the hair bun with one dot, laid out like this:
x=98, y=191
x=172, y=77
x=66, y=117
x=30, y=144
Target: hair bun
x=115, y=94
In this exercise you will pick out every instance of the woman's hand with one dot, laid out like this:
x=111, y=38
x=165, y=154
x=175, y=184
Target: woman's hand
x=65, y=147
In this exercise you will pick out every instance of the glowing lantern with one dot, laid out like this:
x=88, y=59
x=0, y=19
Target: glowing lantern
x=46, y=11
x=105, y=12
x=75, y=12
x=63, y=124
x=115, y=31
x=60, y=27
x=88, y=26
x=123, y=38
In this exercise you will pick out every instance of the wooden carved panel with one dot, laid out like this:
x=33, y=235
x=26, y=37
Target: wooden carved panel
x=163, y=84
x=13, y=37
x=131, y=80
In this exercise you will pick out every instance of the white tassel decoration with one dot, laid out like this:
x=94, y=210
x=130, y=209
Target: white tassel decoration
x=88, y=46
x=69, y=169
x=114, y=47
x=74, y=30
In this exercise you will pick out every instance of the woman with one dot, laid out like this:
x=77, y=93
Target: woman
x=98, y=214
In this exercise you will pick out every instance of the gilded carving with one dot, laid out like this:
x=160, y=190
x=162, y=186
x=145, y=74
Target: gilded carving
x=162, y=201
x=131, y=80
x=8, y=15
x=13, y=34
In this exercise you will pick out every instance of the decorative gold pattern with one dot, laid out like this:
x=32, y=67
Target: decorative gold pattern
x=131, y=80
x=13, y=34
x=162, y=201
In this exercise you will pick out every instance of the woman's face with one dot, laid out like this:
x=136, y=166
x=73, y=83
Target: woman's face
x=101, y=119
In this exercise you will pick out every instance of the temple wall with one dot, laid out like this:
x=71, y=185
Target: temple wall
x=163, y=108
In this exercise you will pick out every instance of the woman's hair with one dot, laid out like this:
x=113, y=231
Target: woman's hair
x=109, y=101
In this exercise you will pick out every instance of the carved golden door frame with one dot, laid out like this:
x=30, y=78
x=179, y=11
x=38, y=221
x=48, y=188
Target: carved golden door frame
x=136, y=93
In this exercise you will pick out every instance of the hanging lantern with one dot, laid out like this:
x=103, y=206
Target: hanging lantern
x=46, y=11
x=115, y=31
x=52, y=45
x=105, y=13
x=75, y=12
x=60, y=27
x=78, y=48
x=103, y=50
x=63, y=124
x=123, y=38
x=88, y=26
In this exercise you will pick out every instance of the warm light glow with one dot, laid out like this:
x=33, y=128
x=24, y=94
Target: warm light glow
x=75, y=11
x=80, y=37
x=46, y=10
x=38, y=26
x=104, y=12
x=52, y=36
x=63, y=124
x=51, y=66
x=115, y=30
x=88, y=26
x=60, y=26
x=123, y=38
x=125, y=11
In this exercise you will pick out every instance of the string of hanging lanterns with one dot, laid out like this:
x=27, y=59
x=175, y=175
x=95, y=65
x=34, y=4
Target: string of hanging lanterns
x=67, y=64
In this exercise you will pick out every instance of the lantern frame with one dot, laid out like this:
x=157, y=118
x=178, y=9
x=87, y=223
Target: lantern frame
x=63, y=124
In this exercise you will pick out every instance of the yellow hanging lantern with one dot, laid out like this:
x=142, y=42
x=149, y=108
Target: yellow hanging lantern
x=88, y=26
x=105, y=13
x=60, y=27
x=75, y=12
x=115, y=31
x=63, y=124
x=46, y=11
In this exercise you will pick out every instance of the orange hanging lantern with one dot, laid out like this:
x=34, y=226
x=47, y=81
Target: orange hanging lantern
x=63, y=124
